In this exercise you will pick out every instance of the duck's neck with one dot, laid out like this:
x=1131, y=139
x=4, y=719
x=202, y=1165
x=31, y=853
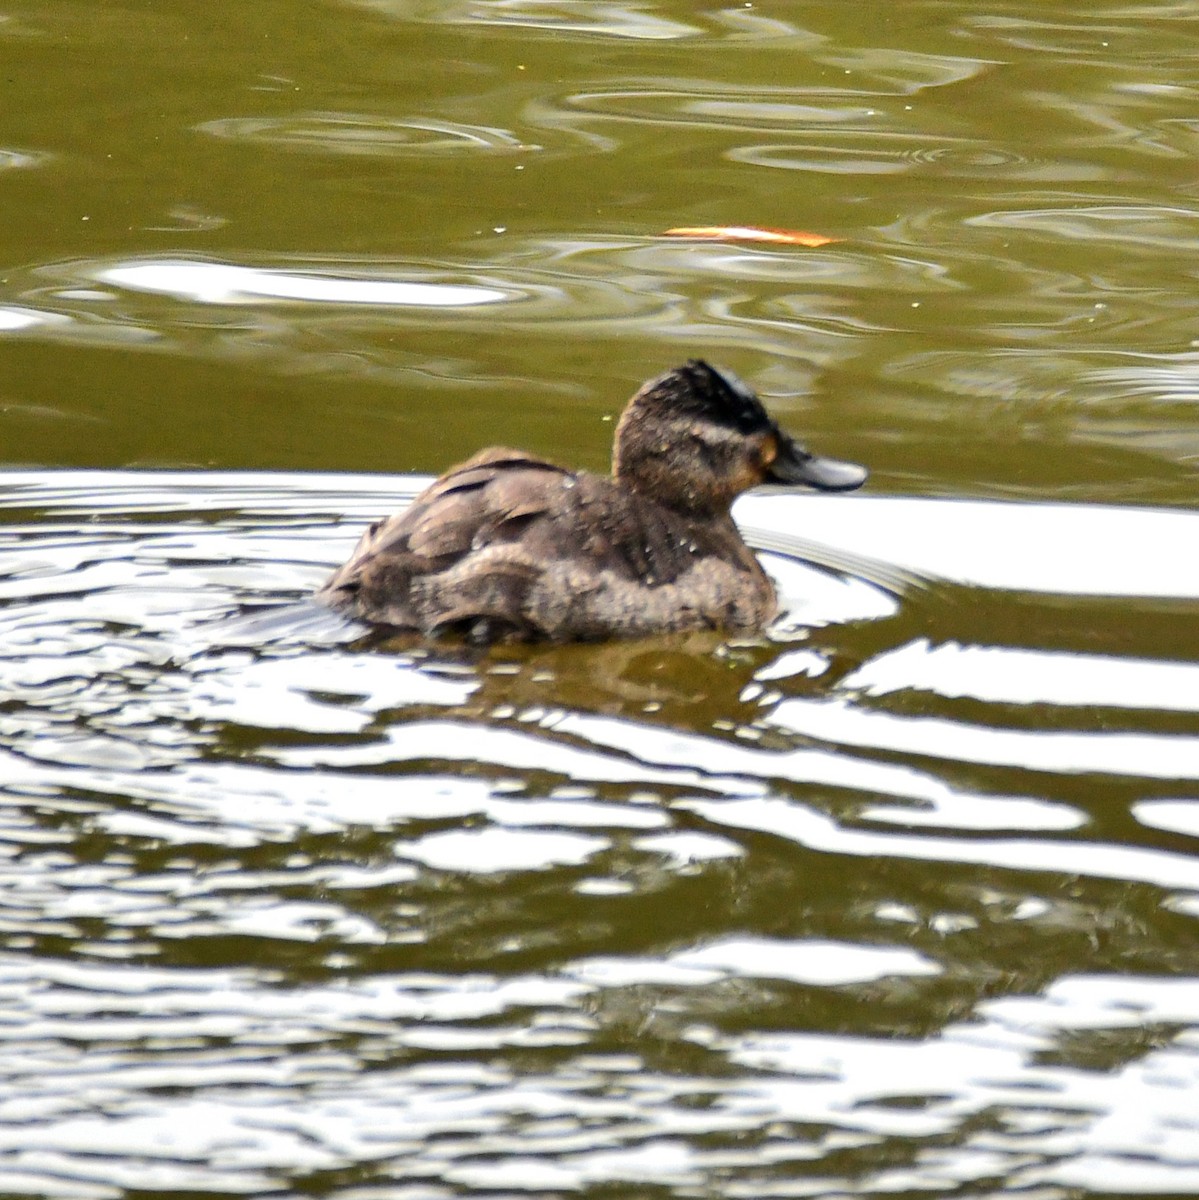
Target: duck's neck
x=661, y=482
x=648, y=458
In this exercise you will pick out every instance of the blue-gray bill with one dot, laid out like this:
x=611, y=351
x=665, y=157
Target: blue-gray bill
x=796, y=467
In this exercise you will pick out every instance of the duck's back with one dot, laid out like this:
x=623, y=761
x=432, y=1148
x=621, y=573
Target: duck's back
x=511, y=546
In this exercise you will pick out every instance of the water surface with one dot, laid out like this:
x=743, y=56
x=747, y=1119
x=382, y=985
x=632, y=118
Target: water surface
x=899, y=891
x=899, y=899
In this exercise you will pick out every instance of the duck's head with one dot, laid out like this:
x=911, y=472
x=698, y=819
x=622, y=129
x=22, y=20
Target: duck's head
x=696, y=438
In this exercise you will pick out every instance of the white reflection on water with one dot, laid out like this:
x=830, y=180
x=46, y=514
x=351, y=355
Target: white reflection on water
x=683, y=849
x=817, y=831
x=380, y=832
x=282, y=693
x=735, y=770
x=1009, y=675
x=17, y=159
x=494, y=850
x=582, y=1117
x=1153, y=756
x=594, y=283
x=227, y=283
x=811, y=598
x=814, y=962
x=14, y=319
x=1070, y=549
x=1173, y=229
x=1074, y=1124
x=1172, y=378
x=651, y=755
x=616, y=18
x=1175, y=816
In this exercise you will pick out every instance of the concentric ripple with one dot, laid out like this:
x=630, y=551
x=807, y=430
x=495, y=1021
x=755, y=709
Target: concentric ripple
x=561, y=17
x=366, y=134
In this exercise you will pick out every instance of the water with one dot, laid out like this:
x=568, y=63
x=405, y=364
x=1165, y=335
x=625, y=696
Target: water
x=886, y=901
x=899, y=899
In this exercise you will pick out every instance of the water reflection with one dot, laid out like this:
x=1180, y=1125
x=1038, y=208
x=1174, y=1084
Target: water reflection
x=16, y=159
x=223, y=283
x=569, y=17
x=1070, y=550
x=900, y=899
x=1142, y=227
x=885, y=153
x=366, y=134
x=12, y=319
x=1007, y=675
x=573, y=284
x=580, y=916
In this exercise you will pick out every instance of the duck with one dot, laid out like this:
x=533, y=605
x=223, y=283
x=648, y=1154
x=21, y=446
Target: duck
x=509, y=547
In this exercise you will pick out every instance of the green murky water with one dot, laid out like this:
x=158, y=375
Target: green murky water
x=901, y=899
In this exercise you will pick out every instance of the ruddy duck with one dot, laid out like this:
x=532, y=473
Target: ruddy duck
x=510, y=547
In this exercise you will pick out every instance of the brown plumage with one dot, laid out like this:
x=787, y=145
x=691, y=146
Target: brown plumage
x=508, y=546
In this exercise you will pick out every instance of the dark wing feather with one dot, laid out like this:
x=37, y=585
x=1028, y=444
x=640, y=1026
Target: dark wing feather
x=464, y=510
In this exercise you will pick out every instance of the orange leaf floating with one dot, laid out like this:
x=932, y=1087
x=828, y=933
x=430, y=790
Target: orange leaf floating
x=750, y=233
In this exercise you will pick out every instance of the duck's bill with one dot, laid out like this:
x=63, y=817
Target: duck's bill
x=795, y=467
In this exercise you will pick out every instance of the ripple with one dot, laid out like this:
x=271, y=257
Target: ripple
x=224, y=283
x=1133, y=408
x=1070, y=549
x=14, y=319
x=965, y=158
x=1006, y=675
x=451, y=903
x=572, y=17
x=579, y=1118
x=582, y=284
x=1150, y=226
x=1115, y=34
x=805, y=827
x=497, y=850
x=16, y=160
x=825, y=963
x=295, y=312
x=707, y=105
x=882, y=153
x=1137, y=755
x=811, y=962
x=366, y=134
x=1171, y=378
x=1174, y=816
x=903, y=71
x=858, y=114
